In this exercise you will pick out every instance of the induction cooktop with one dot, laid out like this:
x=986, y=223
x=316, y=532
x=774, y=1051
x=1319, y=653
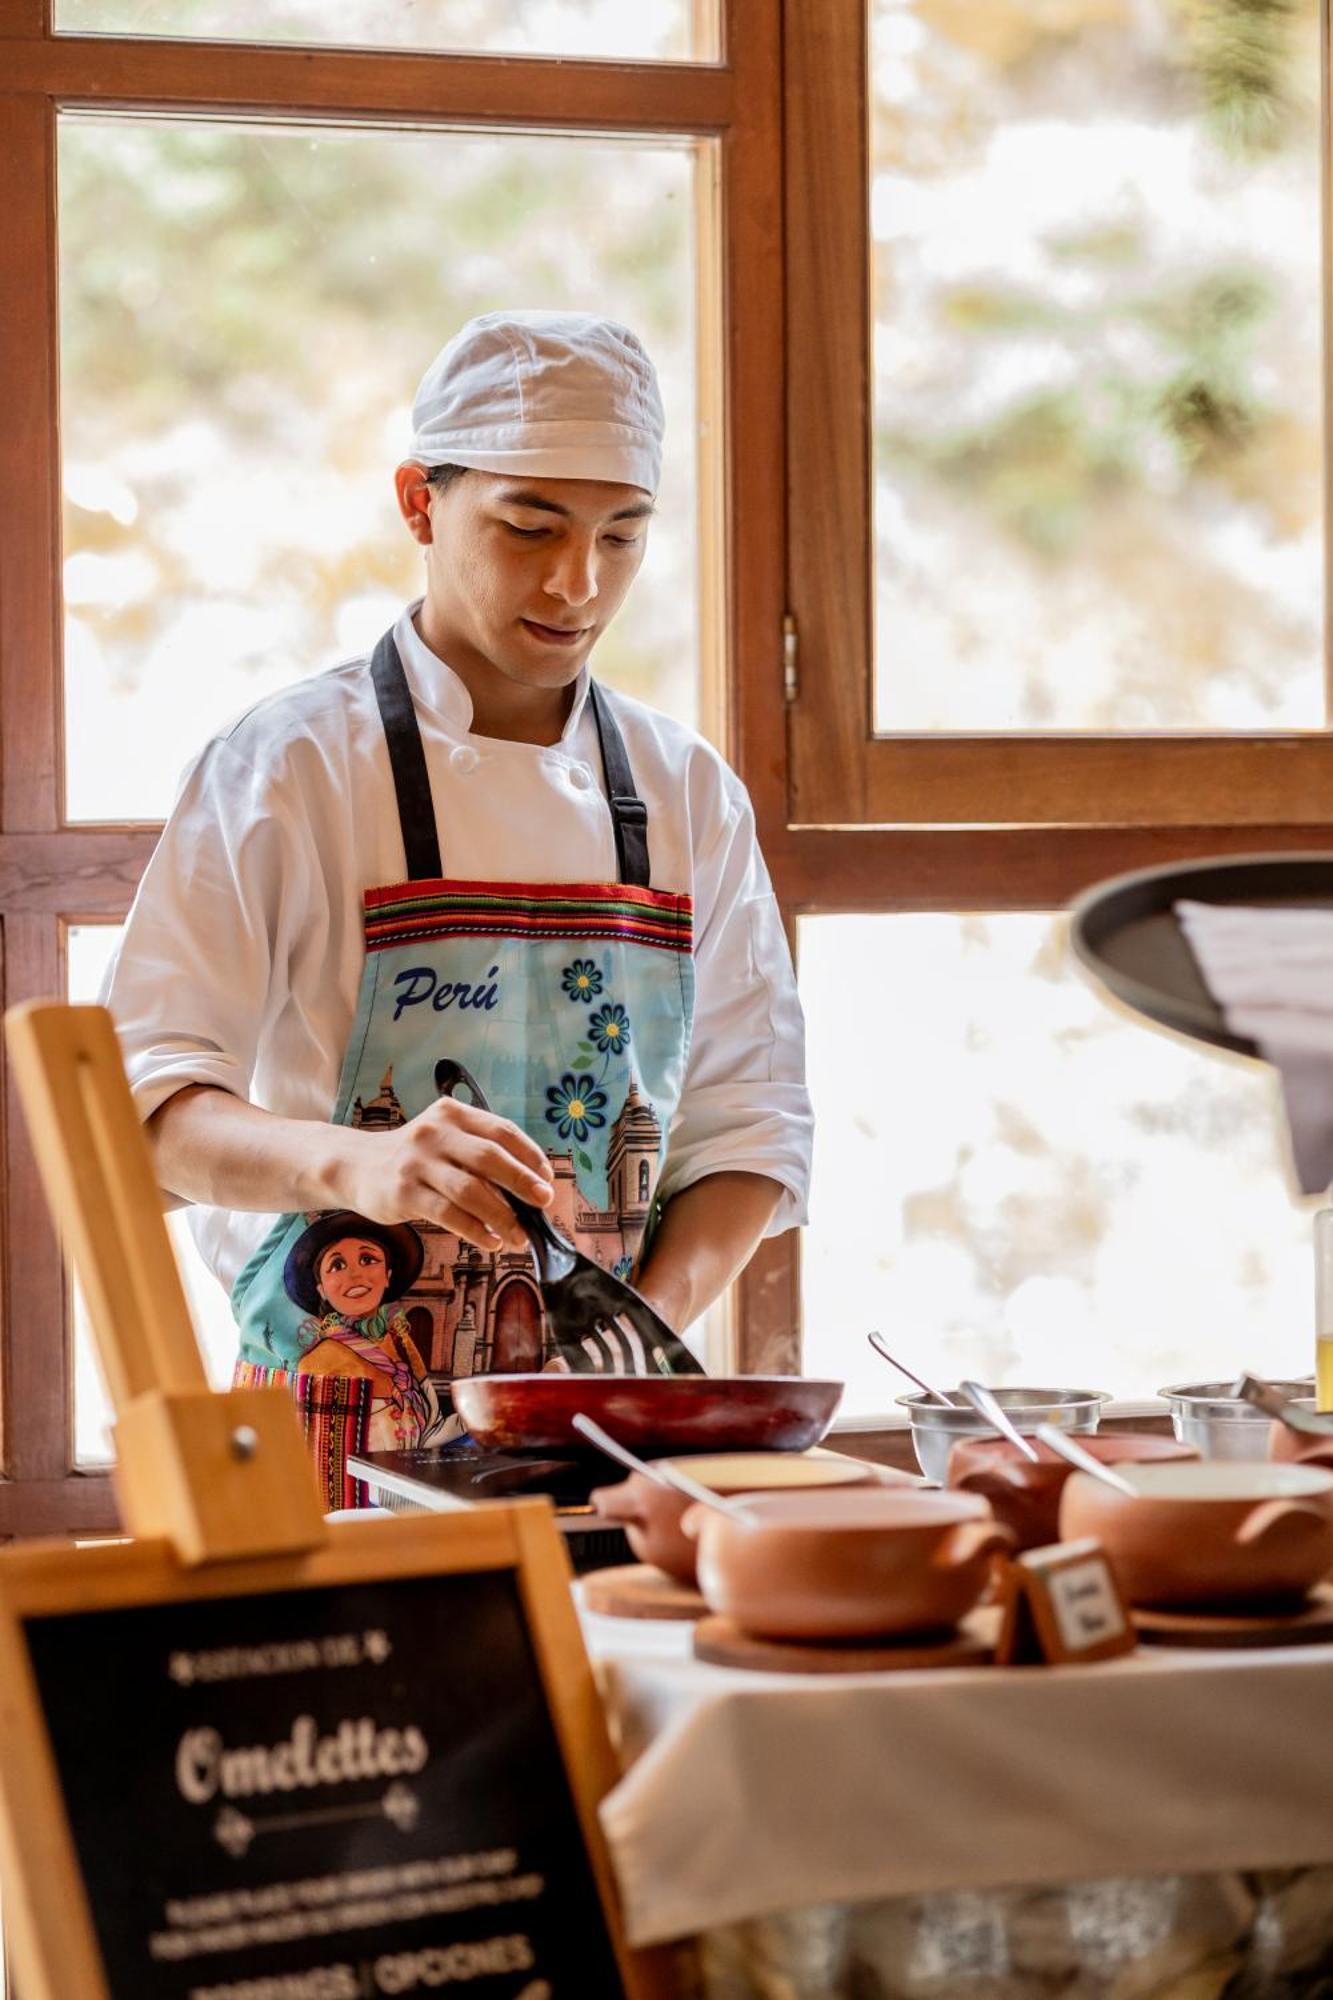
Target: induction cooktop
x=440, y=1477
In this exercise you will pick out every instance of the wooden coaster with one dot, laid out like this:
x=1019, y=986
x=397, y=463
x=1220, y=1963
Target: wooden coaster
x=637, y=1590
x=725, y=1645
x=1305, y=1626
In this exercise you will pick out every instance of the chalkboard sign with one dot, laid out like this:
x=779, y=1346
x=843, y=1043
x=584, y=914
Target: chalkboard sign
x=371, y=1770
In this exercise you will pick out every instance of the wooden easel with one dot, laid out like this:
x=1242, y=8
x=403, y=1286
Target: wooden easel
x=108, y=1653
x=216, y=1475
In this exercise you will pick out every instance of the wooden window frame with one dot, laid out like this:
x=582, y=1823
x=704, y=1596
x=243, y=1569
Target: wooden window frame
x=53, y=873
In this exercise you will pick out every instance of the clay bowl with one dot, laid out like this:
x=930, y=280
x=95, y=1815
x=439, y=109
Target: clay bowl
x=865, y=1563
x=1221, y=1532
x=1289, y=1447
x=655, y=1415
x=651, y=1516
x=1025, y=1497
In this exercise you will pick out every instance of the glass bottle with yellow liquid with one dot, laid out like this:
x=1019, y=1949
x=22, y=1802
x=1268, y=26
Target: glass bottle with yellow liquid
x=1323, y=1307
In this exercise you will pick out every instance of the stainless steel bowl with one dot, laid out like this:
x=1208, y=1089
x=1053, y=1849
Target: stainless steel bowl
x=1220, y=1424
x=936, y=1427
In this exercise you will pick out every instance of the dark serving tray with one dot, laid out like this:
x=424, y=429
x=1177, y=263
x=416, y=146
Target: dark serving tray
x=1126, y=935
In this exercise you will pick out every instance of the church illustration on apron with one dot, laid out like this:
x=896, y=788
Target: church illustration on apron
x=474, y=1311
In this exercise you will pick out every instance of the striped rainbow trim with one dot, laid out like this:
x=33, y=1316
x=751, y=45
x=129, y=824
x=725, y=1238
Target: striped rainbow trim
x=410, y=912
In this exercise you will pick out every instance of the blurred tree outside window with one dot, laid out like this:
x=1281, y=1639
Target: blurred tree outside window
x=1098, y=425
x=245, y=313
x=1015, y=1182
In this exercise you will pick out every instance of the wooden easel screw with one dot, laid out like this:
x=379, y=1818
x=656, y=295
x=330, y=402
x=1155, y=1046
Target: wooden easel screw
x=244, y=1441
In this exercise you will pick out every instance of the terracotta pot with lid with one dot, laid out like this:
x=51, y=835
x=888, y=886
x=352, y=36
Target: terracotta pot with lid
x=1025, y=1496
x=867, y=1563
x=651, y=1516
x=1225, y=1531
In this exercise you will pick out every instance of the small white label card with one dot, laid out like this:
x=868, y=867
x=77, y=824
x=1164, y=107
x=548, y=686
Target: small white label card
x=1062, y=1605
x=1086, y=1603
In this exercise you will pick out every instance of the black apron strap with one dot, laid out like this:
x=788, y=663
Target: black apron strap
x=629, y=814
x=411, y=780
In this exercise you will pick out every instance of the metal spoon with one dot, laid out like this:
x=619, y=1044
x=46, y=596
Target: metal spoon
x=661, y=1473
x=1062, y=1442
x=1274, y=1402
x=985, y=1404
x=935, y=1395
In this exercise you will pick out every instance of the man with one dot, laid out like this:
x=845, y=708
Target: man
x=463, y=858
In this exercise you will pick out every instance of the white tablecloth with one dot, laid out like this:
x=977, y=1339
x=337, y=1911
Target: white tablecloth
x=746, y=1794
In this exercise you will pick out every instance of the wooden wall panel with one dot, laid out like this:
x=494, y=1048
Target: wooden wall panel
x=78, y=872
x=36, y=1377
x=30, y=546
x=829, y=557
x=1005, y=868
x=83, y=1504
x=1100, y=781
x=23, y=19
x=767, y=1323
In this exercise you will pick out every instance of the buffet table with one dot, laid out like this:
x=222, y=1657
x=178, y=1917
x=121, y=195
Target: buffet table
x=913, y=1833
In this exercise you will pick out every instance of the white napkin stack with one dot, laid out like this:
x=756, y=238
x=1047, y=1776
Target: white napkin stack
x=1271, y=973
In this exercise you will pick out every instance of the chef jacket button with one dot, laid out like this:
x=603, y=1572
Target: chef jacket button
x=464, y=759
x=580, y=777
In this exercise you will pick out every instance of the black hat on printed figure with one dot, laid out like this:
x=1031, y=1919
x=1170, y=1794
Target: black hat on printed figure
x=404, y=1252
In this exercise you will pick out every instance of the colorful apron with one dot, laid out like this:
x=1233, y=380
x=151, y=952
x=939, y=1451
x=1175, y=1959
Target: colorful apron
x=571, y=1004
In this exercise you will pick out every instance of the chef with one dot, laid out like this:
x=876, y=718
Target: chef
x=464, y=856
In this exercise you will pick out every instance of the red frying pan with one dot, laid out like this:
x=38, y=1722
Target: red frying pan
x=653, y=1415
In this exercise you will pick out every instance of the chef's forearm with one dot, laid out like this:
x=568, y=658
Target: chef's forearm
x=707, y=1235
x=213, y=1147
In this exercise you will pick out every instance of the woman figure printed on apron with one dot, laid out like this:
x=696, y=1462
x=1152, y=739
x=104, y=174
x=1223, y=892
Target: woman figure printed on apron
x=345, y=1271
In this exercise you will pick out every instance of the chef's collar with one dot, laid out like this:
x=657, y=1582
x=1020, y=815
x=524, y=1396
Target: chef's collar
x=443, y=691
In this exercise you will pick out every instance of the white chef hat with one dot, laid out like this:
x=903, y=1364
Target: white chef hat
x=557, y=395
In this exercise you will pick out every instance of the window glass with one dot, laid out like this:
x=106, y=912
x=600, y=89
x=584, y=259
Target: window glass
x=1014, y=1181
x=643, y=30
x=88, y=953
x=1098, y=389
x=245, y=315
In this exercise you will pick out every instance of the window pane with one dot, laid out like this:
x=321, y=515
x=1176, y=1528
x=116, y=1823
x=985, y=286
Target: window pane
x=88, y=952
x=1098, y=388
x=1014, y=1182
x=245, y=315
x=661, y=30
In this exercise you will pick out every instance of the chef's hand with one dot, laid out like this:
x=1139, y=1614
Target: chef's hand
x=448, y=1166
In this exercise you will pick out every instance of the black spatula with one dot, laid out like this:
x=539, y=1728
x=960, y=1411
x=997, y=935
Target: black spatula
x=599, y=1324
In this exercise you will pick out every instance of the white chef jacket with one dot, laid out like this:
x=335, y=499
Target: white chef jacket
x=242, y=955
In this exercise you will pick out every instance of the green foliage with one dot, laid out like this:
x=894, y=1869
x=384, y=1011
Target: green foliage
x=1043, y=466
x=1240, y=53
